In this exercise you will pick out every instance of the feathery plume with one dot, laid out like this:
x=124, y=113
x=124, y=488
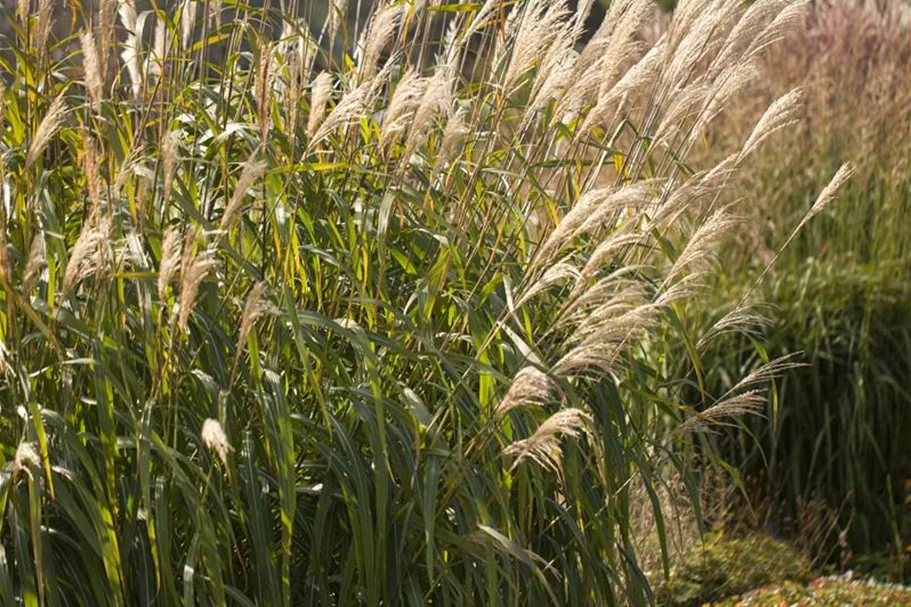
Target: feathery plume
x=750, y=25
x=437, y=96
x=319, y=97
x=700, y=247
x=351, y=107
x=555, y=274
x=408, y=93
x=791, y=17
x=844, y=173
x=214, y=438
x=170, y=259
x=539, y=25
x=543, y=447
x=601, y=336
x=530, y=386
x=745, y=403
x=743, y=319
x=254, y=308
x=252, y=170
x=168, y=148
x=43, y=24
x=456, y=129
x=84, y=257
x=107, y=14
x=781, y=114
x=379, y=32
x=193, y=275
x=36, y=258
x=92, y=176
x=47, y=128
x=27, y=457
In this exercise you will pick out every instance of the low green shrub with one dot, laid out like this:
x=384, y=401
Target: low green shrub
x=722, y=567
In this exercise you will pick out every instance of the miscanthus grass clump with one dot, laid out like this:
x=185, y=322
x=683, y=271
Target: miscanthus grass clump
x=299, y=314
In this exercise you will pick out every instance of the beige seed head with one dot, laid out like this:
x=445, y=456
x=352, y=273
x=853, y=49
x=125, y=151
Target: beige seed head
x=170, y=259
x=193, y=275
x=214, y=438
x=529, y=387
x=319, y=98
x=47, y=128
x=543, y=447
x=27, y=457
x=379, y=33
x=254, y=308
x=36, y=258
x=169, y=162
x=251, y=172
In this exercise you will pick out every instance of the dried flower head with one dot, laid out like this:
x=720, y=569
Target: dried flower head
x=193, y=275
x=255, y=306
x=530, y=386
x=319, y=98
x=543, y=447
x=47, y=128
x=251, y=171
x=170, y=259
x=214, y=438
x=36, y=258
x=27, y=457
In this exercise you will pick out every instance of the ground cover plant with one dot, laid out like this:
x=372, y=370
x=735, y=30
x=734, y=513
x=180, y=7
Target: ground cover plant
x=824, y=592
x=391, y=325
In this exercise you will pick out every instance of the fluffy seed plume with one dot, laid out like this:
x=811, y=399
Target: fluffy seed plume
x=92, y=63
x=529, y=387
x=170, y=259
x=27, y=457
x=377, y=36
x=107, y=13
x=745, y=403
x=700, y=247
x=781, y=114
x=456, y=129
x=193, y=275
x=43, y=24
x=214, y=438
x=408, y=93
x=543, y=447
x=351, y=107
x=844, y=173
x=254, y=309
x=85, y=253
x=46, y=129
x=319, y=98
x=436, y=98
x=251, y=171
x=169, y=163
x=36, y=258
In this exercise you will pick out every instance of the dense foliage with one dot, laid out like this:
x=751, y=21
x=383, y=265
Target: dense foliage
x=402, y=331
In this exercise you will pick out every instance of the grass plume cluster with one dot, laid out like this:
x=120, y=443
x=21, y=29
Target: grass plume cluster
x=397, y=328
